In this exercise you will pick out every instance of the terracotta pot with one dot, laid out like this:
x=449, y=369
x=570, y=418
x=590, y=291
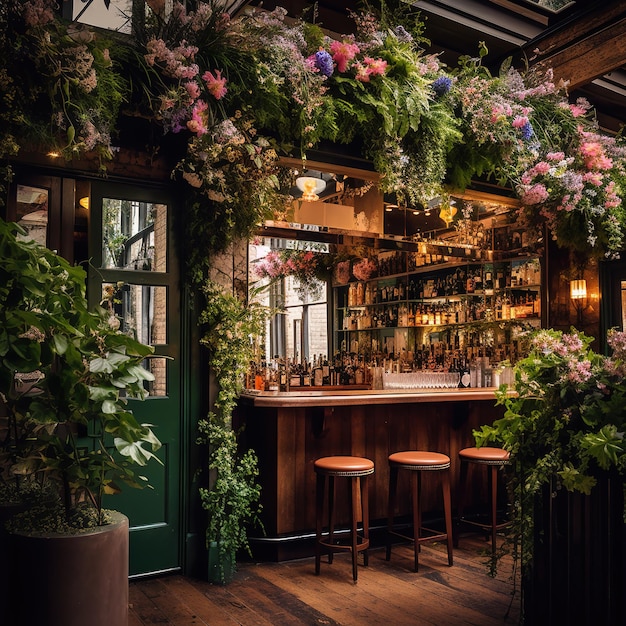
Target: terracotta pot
x=72, y=580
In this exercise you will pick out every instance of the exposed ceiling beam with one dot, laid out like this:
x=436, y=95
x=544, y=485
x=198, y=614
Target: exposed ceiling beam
x=590, y=45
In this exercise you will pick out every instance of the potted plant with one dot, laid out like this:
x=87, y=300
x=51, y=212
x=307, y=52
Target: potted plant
x=65, y=375
x=564, y=427
x=232, y=497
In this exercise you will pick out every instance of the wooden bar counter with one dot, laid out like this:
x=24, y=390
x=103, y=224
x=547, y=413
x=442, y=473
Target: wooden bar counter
x=289, y=430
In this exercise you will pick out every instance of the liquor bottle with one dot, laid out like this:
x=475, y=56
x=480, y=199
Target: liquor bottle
x=306, y=375
x=325, y=371
x=318, y=376
x=464, y=374
x=470, y=283
x=478, y=280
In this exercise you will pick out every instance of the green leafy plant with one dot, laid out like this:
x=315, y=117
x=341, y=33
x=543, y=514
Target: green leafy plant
x=61, y=91
x=232, y=499
x=565, y=422
x=65, y=375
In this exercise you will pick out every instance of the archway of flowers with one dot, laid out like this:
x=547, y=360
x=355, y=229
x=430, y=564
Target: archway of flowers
x=242, y=92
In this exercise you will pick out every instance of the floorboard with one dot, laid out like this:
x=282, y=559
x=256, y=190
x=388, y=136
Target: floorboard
x=387, y=593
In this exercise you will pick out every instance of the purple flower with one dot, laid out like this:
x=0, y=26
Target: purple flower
x=324, y=62
x=527, y=131
x=402, y=34
x=442, y=85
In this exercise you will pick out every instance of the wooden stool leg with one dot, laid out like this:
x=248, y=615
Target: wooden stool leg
x=319, y=515
x=460, y=502
x=447, y=507
x=366, y=517
x=331, y=515
x=393, y=483
x=417, y=515
x=493, y=488
x=354, y=507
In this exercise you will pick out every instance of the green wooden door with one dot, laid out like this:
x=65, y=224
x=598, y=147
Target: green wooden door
x=135, y=270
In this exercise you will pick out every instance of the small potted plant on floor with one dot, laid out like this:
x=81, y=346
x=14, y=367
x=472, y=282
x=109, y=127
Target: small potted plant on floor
x=232, y=497
x=65, y=375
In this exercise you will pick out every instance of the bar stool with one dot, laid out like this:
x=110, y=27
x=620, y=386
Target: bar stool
x=357, y=469
x=418, y=462
x=494, y=459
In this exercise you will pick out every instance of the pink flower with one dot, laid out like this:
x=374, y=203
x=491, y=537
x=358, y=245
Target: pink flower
x=197, y=123
x=193, y=91
x=364, y=269
x=577, y=111
x=541, y=168
x=535, y=195
x=593, y=178
x=215, y=84
x=362, y=73
x=520, y=121
x=343, y=52
x=376, y=67
x=555, y=156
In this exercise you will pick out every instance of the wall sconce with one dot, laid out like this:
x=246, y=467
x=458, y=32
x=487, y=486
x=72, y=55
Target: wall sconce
x=578, y=289
x=310, y=187
x=578, y=294
x=84, y=202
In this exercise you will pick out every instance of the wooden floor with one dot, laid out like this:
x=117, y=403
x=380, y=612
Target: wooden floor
x=387, y=593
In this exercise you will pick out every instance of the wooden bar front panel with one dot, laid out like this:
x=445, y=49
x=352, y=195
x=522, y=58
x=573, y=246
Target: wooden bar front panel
x=288, y=440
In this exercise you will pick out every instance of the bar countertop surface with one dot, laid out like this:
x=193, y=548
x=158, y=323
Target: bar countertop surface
x=344, y=397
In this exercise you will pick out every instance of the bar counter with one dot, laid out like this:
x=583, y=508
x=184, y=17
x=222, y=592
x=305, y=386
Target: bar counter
x=289, y=430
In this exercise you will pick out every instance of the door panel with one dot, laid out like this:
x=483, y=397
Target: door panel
x=134, y=271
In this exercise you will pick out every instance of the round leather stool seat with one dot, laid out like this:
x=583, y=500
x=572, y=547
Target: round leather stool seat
x=493, y=459
x=356, y=470
x=344, y=466
x=417, y=462
x=485, y=454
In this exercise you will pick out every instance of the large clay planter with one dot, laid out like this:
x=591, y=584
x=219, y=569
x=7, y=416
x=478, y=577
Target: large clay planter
x=72, y=580
x=7, y=583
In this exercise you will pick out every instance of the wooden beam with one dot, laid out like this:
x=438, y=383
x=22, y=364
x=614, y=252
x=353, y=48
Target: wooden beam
x=591, y=58
x=585, y=48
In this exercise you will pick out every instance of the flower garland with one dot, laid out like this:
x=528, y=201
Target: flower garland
x=217, y=82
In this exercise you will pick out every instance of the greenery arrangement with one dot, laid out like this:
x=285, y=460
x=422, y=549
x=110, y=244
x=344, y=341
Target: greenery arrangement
x=232, y=501
x=566, y=421
x=240, y=92
x=61, y=92
x=65, y=376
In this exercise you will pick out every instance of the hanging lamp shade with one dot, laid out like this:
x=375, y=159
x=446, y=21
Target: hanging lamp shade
x=447, y=211
x=310, y=187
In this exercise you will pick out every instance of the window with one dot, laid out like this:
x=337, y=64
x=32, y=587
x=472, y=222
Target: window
x=285, y=277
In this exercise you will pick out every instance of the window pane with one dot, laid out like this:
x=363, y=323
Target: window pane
x=32, y=212
x=134, y=235
x=282, y=277
x=158, y=366
x=141, y=309
x=114, y=14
